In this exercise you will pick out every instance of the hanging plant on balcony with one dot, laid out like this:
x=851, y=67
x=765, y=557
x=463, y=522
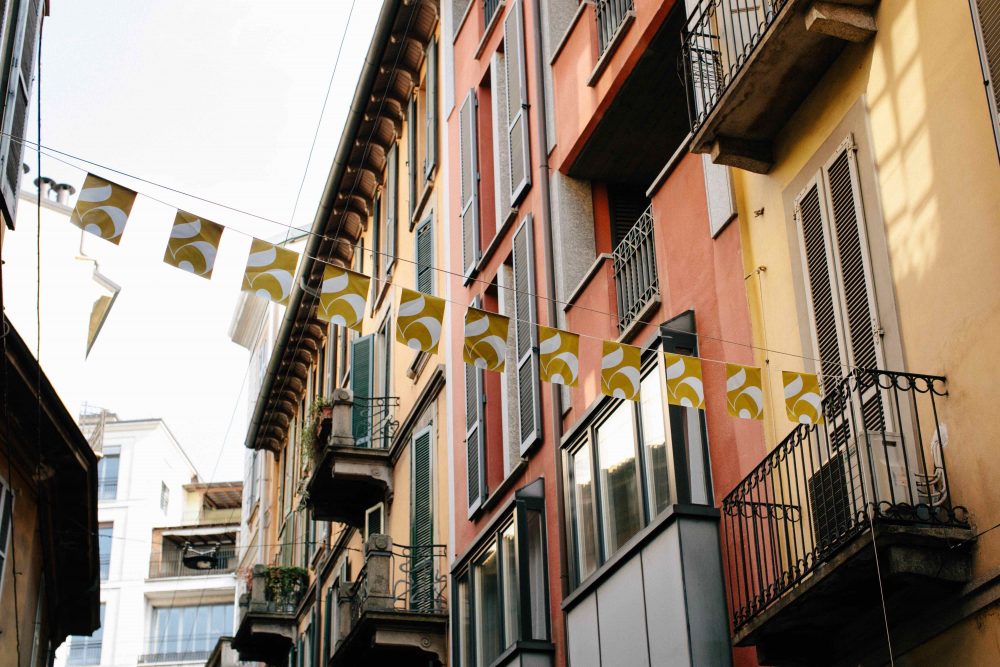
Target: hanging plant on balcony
x=285, y=586
x=321, y=409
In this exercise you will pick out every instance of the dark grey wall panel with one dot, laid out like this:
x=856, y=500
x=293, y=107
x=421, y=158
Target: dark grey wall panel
x=583, y=635
x=622, y=616
x=665, y=614
x=706, y=600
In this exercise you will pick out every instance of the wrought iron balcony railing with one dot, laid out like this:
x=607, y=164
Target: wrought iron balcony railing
x=173, y=565
x=611, y=14
x=877, y=458
x=374, y=421
x=636, y=280
x=400, y=578
x=490, y=8
x=718, y=41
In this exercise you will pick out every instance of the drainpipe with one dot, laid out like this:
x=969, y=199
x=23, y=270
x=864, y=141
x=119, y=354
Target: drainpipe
x=550, y=279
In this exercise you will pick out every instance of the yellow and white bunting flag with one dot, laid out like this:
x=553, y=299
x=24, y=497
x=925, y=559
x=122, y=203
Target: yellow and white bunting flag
x=620, y=370
x=342, y=297
x=103, y=208
x=684, y=385
x=803, y=401
x=485, y=339
x=744, y=392
x=270, y=271
x=193, y=244
x=558, y=356
x=419, y=320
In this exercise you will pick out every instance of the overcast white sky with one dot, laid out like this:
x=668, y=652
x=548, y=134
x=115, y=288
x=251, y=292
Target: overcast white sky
x=219, y=99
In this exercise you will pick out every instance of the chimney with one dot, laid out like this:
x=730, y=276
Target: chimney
x=45, y=184
x=63, y=192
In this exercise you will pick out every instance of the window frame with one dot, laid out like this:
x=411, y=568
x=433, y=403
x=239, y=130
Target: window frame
x=6, y=524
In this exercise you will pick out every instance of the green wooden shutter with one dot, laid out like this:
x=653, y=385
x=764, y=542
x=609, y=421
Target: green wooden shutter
x=517, y=103
x=422, y=538
x=361, y=385
x=431, y=110
x=411, y=153
x=525, y=344
x=425, y=257
x=25, y=24
x=391, y=207
x=469, y=167
x=475, y=435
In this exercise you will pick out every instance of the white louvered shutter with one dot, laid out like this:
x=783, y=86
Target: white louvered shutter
x=469, y=168
x=525, y=332
x=517, y=102
x=987, y=23
x=475, y=435
x=431, y=101
x=25, y=24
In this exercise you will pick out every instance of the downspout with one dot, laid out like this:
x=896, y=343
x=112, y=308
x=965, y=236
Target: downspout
x=550, y=279
x=355, y=116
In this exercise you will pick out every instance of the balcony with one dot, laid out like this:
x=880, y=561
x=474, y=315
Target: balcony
x=396, y=608
x=636, y=281
x=842, y=515
x=352, y=465
x=223, y=561
x=749, y=65
x=165, y=657
x=267, y=614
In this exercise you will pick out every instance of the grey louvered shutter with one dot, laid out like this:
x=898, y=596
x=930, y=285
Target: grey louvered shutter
x=391, y=206
x=469, y=167
x=430, y=160
x=517, y=102
x=422, y=565
x=25, y=25
x=411, y=153
x=987, y=20
x=475, y=435
x=361, y=384
x=425, y=256
x=525, y=344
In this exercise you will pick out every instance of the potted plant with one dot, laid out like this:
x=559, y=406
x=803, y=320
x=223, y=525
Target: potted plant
x=285, y=586
x=321, y=411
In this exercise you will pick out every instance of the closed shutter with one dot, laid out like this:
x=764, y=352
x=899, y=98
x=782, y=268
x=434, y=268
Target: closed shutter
x=25, y=24
x=517, y=102
x=411, y=152
x=430, y=160
x=529, y=406
x=475, y=436
x=391, y=207
x=988, y=34
x=422, y=565
x=361, y=384
x=469, y=168
x=425, y=257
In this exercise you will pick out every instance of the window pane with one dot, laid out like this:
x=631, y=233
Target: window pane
x=700, y=493
x=104, y=550
x=487, y=607
x=655, y=441
x=619, y=492
x=536, y=575
x=511, y=583
x=584, y=530
x=464, y=624
x=107, y=476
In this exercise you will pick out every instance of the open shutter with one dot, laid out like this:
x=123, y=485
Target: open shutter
x=411, y=153
x=469, y=167
x=391, y=206
x=430, y=104
x=425, y=257
x=422, y=565
x=361, y=384
x=25, y=24
x=525, y=331
x=517, y=102
x=475, y=435
x=987, y=23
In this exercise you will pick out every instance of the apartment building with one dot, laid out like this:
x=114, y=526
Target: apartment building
x=864, y=155
x=349, y=519
x=167, y=545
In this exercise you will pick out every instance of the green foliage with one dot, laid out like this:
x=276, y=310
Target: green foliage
x=310, y=428
x=285, y=585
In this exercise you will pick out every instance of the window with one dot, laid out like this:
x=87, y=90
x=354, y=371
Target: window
x=430, y=110
x=502, y=595
x=6, y=517
x=164, y=497
x=617, y=481
x=516, y=95
x=87, y=650
x=188, y=632
x=104, y=537
x=107, y=474
x=469, y=187
x=986, y=20
x=362, y=350
x=374, y=520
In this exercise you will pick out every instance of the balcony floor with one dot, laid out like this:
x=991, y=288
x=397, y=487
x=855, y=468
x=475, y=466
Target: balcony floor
x=347, y=481
x=395, y=637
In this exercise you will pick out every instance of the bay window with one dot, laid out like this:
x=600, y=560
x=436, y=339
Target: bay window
x=502, y=592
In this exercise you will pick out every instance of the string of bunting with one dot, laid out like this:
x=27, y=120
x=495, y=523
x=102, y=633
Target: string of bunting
x=103, y=209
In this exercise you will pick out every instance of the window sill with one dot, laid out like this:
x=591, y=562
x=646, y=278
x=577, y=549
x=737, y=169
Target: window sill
x=494, y=498
x=609, y=51
x=660, y=523
x=417, y=366
x=525, y=647
x=494, y=245
x=490, y=27
x=383, y=288
x=418, y=210
x=640, y=319
x=587, y=277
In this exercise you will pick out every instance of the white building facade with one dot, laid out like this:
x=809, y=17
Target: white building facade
x=153, y=511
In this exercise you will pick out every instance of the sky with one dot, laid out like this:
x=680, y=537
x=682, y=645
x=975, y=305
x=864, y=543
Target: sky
x=217, y=99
